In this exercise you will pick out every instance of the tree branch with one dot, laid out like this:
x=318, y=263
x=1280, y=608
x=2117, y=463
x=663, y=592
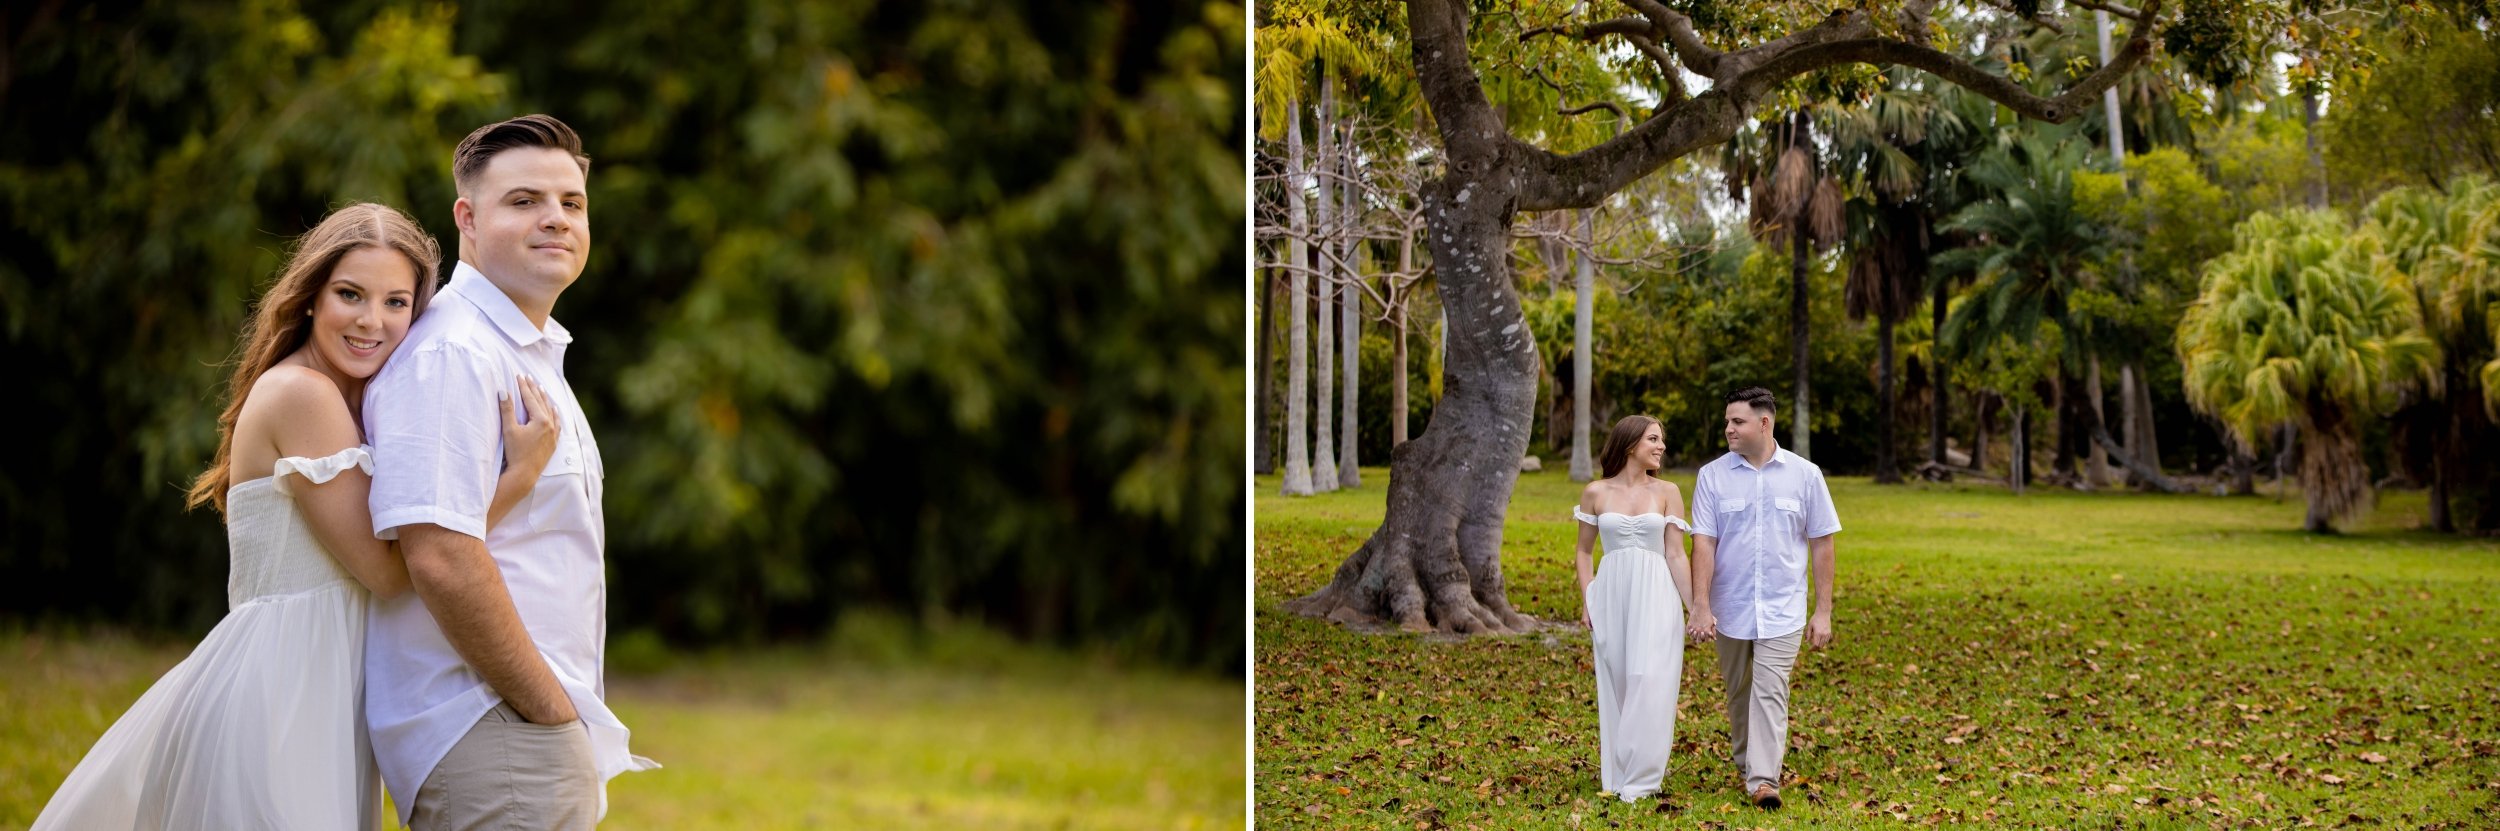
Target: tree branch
x=1696, y=55
x=1471, y=132
x=1638, y=31
x=2119, y=10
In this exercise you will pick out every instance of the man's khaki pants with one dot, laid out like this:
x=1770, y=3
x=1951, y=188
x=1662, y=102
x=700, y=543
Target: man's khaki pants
x=1757, y=703
x=508, y=773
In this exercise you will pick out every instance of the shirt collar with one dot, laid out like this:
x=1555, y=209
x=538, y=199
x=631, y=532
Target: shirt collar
x=471, y=285
x=1779, y=455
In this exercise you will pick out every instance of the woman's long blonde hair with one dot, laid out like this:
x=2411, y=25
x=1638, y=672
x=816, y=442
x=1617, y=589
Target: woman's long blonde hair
x=280, y=325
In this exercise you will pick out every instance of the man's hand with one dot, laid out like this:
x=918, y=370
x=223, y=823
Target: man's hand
x=1703, y=626
x=1819, y=630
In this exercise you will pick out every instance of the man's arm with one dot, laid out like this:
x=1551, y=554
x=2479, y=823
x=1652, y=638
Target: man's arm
x=460, y=585
x=1820, y=553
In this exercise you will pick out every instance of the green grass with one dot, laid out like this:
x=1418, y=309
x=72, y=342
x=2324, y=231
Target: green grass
x=788, y=739
x=2067, y=660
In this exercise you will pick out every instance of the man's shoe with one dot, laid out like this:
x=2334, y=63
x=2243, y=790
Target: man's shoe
x=1766, y=796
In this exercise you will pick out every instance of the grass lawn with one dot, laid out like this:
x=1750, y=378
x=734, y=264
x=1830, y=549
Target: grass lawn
x=787, y=739
x=2061, y=659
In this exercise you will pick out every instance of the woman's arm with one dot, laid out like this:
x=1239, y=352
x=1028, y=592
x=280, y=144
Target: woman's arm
x=1677, y=566
x=1581, y=552
x=317, y=425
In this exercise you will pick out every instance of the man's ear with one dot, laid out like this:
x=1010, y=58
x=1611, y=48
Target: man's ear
x=463, y=216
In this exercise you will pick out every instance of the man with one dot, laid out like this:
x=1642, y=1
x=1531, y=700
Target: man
x=483, y=686
x=1759, y=514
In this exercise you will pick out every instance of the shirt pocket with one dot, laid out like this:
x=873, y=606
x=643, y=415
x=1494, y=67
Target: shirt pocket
x=559, y=500
x=1792, y=512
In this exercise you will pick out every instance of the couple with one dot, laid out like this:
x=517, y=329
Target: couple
x=412, y=507
x=1759, y=514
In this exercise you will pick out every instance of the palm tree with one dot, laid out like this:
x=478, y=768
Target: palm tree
x=2447, y=246
x=1898, y=149
x=2035, y=256
x=2305, y=325
x=1795, y=201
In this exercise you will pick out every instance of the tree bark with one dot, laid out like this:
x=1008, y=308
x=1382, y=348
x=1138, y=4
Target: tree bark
x=1324, y=451
x=1350, y=323
x=1263, y=451
x=1940, y=393
x=2452, y=435
x=1397, y=377
x=1979, y=420
x=2150, y=476
x=2020, y=475
x=2146, y=437
x=2127, y=416
x=2096, y=469
x=1398, y=407
x=1298, y=329
x=1800, y=250
x=1584, y=305
x=1886, y=472
x=1435, y=561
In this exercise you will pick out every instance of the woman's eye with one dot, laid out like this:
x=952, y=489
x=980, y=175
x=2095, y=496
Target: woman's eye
x=347, y=295
x=398, y=303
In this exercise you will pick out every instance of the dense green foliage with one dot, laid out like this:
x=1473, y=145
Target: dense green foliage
x=2055, y=660
x=929, y=307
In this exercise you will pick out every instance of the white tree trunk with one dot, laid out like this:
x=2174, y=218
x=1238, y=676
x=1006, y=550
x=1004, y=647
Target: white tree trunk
x=1324, y=451
x=1351, y=354
x=1584, y=306
x=1298, y=329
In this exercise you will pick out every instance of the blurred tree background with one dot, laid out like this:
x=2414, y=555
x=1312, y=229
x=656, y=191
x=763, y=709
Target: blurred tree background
x=927, y=309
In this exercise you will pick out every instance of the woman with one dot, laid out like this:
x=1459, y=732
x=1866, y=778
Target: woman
x=1634, y=606
x=263, y=725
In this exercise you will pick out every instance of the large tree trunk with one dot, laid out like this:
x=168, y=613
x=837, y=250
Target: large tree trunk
x=2334, y=480
x=1800, y=250
x=1263, y=445
x=1584, y=305
x=1435, y=562
x=1886, y=473
x=1941, y=392
x=1298, y=329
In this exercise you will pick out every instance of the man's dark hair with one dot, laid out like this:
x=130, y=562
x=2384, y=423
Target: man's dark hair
x=533, y=130
x=1761, y=399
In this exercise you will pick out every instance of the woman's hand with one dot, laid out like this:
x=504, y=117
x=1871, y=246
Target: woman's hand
x=528, y=446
